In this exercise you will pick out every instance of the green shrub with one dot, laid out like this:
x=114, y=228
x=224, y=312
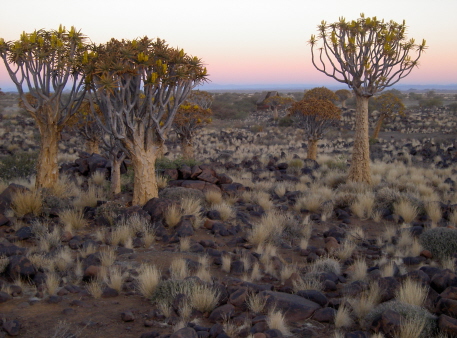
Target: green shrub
x=409, y=312
x=178, y=193
x=285, y=122
x=441, y=242
x=167, y=290
x=21, y=164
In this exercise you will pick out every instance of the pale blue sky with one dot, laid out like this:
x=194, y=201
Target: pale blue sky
x=244, y=42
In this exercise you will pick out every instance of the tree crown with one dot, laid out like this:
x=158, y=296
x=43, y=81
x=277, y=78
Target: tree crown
x=367, y=54
x=321, y=110
x=389, y=104
x=320, y=93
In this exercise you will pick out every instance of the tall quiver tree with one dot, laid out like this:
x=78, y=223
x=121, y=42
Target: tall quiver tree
x=368, y=55
x=388, y=105
x=315, y=114
x=42, y=65
x=139, y=86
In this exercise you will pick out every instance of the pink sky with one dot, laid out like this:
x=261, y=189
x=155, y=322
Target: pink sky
x=247, y=42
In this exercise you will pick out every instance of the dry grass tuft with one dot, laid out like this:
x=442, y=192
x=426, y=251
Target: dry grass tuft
x=226, y=263
x=173, y=215
x=358, y=270
x=148, y=279
x=116, y=278
x=26, y=202
x=95, y=289
x=108, y=256
x=268, y=229
x=276, y=320
x=204, y=298
x=406, y=209
x=343, y=317
x=363, y=206
x=213, y=197
x=412, y=292
x=225, y=210
x=72, y=219
x=162, y=181
x=179, y=268
x=255, y=302
x=367, y=300
x=190, y=206
x=52, y=282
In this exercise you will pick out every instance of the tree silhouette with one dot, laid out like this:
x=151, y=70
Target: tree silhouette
x=368, y=55
x=277, y=101
x=42, y=65
x=139, y=86
x=388, y=104
x=314, y=116
x=343, y=95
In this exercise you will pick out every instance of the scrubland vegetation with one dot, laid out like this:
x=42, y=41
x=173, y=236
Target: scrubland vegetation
x=225, y=215
x=293, y=227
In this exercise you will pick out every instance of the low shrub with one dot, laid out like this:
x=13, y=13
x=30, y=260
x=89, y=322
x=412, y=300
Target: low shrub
x=441, y=242
x=21, y=164
x=409, y=312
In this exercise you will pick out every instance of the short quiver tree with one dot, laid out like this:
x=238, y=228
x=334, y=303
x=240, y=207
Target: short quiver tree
x=388, y=105
x=277, y=102
x=343, y=96
x=139, y=86
x=189, y=118
x=43, y=65
x=314, y=116
x=368, y=55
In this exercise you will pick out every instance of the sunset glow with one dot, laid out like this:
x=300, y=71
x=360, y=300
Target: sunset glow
x=244, y=42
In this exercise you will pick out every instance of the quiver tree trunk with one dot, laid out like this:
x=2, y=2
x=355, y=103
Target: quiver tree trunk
x=93, y=146
x=116, y=173
x=187, y=148
x=312, y=149
x=47, y=167
x=378, y=126
x=145, y=182
x=275, y=113
x=359, y=170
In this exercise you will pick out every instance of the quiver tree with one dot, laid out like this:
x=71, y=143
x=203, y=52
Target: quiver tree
x=368, y=55
x=42, y=65
x=343, y=96
x=86, y=125
x=139, y=86
x=314, y=116
x=200, y=98
x=278, y=102
x=388, y=105
x=189, y=118
x=320, y=93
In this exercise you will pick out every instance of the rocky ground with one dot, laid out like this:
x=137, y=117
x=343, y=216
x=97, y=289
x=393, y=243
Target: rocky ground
x=250, y=240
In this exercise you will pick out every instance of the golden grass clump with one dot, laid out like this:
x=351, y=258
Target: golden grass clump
x=190, y=206
x=89, y=198
x=148, y=279
x=25, y=202
x=162, y=181
x=173, y=215
x=406, y=209
x=72, y=219
x=204, y=298
x=52, y=282
x=268, y=229
x=179, y=268
x=213, y=197
x=255, y=302
x=95, y=289
x=366, y=301
x=363, y=206
x=276, y=320
x=412, y=292
x=225, y=210
x=343, y=317
x=115, y=278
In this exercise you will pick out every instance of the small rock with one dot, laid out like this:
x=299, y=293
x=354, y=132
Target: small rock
x=127, y=316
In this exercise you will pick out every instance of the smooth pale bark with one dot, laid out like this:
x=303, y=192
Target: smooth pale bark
x=47, y=167
x=116, y=174
x=312, y=149
x=187, y=149
x=360, y=163
x=93, y=146
x=160, y=150
x=275, y=113
x=378, y=126
x=145, y=182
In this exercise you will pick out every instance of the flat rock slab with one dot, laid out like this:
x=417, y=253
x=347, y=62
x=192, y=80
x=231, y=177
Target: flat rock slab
x=294, y=308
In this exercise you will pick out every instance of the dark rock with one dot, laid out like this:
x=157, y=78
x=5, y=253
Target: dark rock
x=413, y=260
x=152, y=334
x=12, y=327
x=442, y=280
x=9, y=250
x=294, y=308
x=388, y=286
x=4, y=297
x=355, y=334
x=127, y=316
x=273, y=333
x=4, y=221
x=20, y=267
x=215, y=330
x=324, y=315
x=156, y=208
x=448, y=325
x=238, y=298
x=184, y=227
x=186, y=332
x=314, y=296
x=222, y=313
x=109, y=292
x=447, y=307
